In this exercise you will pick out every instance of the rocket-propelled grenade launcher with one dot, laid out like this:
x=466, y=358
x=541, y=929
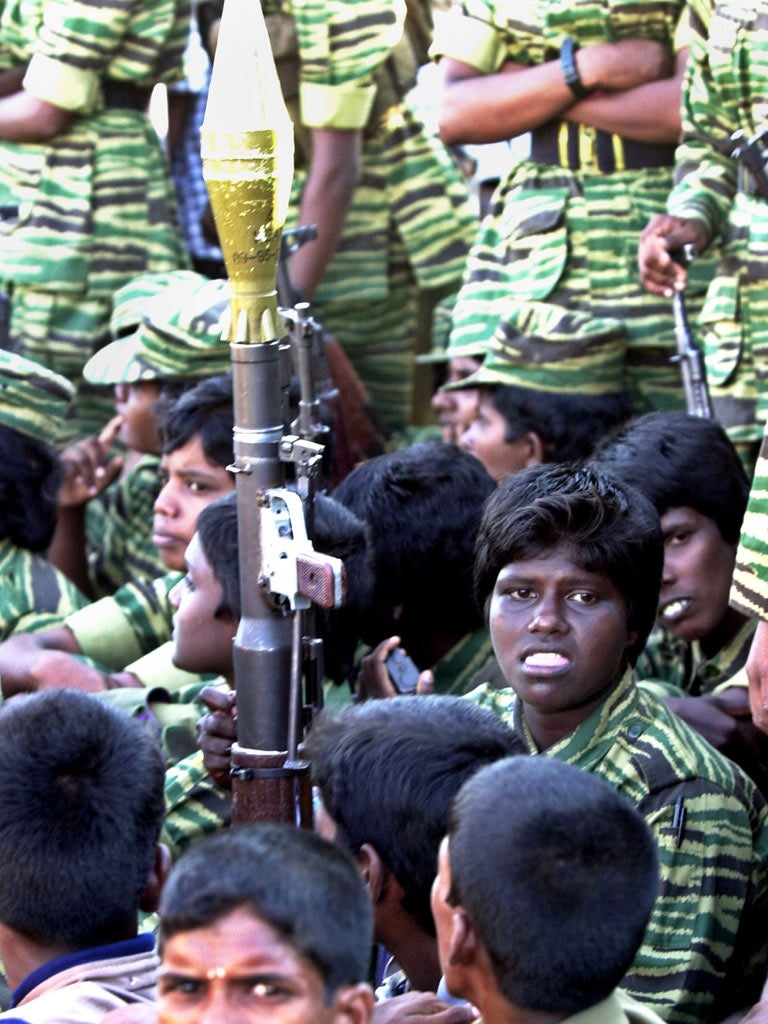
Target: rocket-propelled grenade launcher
x=247, y=149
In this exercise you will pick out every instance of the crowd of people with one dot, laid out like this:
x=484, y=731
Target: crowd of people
x=535, y=723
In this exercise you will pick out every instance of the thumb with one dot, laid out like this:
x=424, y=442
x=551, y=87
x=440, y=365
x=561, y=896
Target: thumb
x=425, y=686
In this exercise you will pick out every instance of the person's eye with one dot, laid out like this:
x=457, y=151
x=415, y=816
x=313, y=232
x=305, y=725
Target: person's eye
x=267, y=990
x=179, y=986
x=198, y=487
x=188, y=583
x=518, y=593
x=679, y=537
x=585, y=597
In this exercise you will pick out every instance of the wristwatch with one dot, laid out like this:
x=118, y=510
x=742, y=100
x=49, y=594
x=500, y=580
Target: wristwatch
x=570, y=71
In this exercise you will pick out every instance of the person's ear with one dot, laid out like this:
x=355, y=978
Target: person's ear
x=353, y=1004
x=535, y=450
x=373, y=870
x=462, y=944
x=150, y=899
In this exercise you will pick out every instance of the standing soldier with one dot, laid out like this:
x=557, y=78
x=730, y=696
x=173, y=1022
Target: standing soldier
x=598, y=86
x=85, y=198
x=393, y=218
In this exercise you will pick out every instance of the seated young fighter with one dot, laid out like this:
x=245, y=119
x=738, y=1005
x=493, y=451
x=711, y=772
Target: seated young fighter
x=549, y=387
x=116, y=631
x=207, y=606
x=167, y=328
x=34, y=402
x=386, y=772
x=289, y=941
x=81, y=803
x=568, y=567
x=531, y=898
x=422, y=505
x=690, y=470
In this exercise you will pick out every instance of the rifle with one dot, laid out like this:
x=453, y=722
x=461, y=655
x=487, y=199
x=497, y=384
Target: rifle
x=689, y=355
x=358, y=429
x=750, y=154
x=247, y=164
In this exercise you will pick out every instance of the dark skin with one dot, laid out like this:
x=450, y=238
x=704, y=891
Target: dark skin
x=637, y=95
x=659, y=272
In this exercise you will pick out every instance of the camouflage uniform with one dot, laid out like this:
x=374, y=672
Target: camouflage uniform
x=726, y=89
x=92, y=207
x=563, y=226
x=749, y=592
x=685, y=667
x=117, y=630
x=34, y=595
x=704, y=951
x=118, y=530
x=409, y=226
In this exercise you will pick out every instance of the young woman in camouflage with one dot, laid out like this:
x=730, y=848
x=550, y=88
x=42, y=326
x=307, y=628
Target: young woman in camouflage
x=598, y=86
x=85, y=199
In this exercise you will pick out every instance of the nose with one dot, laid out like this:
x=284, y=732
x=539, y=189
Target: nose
x=668, y=572
x=548, y=617
x=466, y=440
x=442, y=401
x=165, y=505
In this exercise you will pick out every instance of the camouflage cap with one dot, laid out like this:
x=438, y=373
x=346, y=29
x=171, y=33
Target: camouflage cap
x=179, y=336
x=442, y=350
x=33, y=399
x=131, y=300
x=547, y=348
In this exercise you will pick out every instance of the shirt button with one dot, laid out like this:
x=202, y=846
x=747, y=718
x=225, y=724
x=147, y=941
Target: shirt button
x=634, y=730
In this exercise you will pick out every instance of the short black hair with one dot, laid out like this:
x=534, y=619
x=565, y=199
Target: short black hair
x=568, y=424
x=558, y=872
x=611, y=528
x=306, y=889
x=29, y=484
x=217, y=532
x=207, y=411
x=680, y=460
x=81, y=805
x=388, y=771
x=423, y=506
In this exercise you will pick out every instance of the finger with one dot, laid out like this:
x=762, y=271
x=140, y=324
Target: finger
x=216, y=699
x=110, y=431
x=426, y=683
x=385, y=648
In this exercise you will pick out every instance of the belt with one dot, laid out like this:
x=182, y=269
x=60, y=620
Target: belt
x=581, y=148
x=123, y=95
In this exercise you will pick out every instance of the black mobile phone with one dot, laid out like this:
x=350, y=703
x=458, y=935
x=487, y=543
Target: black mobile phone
x=402, y=671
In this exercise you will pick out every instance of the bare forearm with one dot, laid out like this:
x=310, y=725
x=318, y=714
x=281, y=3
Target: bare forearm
x=67, y=550
x=647, y=113
x=492, y=108
x=24, y=118
x=325, y=201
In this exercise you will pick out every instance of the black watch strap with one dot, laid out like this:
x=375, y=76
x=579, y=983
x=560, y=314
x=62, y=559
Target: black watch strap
x=570, y=71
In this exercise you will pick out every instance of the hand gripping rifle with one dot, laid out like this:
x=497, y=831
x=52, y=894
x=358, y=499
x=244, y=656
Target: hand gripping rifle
x=689, y=355
x=246, y=143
